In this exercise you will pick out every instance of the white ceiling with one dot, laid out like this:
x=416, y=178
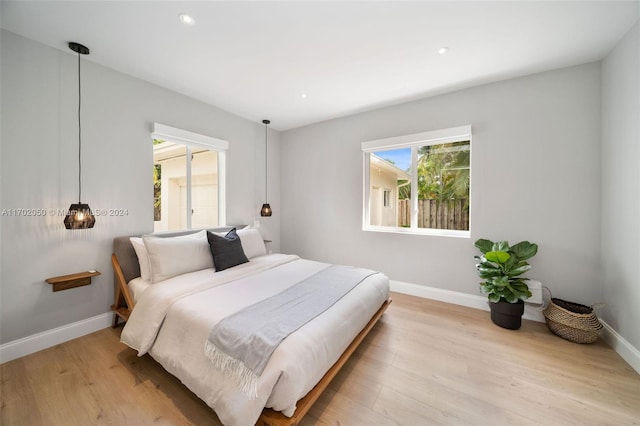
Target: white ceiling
x=255, y=59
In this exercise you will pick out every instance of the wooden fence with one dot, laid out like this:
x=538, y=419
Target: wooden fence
x=445, y=214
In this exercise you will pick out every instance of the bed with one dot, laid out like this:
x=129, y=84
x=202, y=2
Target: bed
x=171, y=313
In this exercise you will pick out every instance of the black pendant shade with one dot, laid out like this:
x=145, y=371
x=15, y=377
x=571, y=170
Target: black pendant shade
x=79, y=215
x=266, y=208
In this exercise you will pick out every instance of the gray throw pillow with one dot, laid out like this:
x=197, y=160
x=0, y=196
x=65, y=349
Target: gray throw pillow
x=226, y=251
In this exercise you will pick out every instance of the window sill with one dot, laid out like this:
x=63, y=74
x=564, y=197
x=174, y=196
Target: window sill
x=419, y=231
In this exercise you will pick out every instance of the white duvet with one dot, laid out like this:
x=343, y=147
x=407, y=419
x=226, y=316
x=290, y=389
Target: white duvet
x=172, y=321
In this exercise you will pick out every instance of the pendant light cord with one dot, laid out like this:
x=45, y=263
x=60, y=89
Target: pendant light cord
x=266, y=147
x=79, y=135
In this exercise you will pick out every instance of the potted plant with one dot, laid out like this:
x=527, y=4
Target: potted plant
x=501, y=266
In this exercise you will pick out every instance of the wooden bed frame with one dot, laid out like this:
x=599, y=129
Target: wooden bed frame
x=276, y=418
x=123, y=305
x=123, y=301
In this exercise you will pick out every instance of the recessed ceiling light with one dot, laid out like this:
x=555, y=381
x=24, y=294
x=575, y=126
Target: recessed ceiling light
x=443, y=50
x=187, y=19
x=303, y=95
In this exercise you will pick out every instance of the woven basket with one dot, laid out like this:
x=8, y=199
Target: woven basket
x=572, y=321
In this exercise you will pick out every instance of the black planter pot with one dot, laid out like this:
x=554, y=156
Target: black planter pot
x=507, y=315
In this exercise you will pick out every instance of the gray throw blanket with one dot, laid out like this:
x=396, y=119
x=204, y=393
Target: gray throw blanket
x=241, y=344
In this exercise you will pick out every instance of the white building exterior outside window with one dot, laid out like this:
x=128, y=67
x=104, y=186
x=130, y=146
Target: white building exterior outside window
x=190, y=179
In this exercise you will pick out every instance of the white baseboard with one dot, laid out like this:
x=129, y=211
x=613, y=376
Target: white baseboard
x=37, y=342
x=531, y=312
x=619, y=344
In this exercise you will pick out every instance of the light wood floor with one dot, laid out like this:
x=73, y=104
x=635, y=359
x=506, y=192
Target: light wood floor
x=425, y=363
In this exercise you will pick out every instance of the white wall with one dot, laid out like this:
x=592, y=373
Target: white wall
x=621, y=187
x=39, y=171
x=535, y=176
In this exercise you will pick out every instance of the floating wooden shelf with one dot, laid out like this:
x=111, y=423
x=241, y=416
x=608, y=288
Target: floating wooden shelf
x=65, y=282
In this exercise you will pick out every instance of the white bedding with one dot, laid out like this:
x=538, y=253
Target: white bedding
x=172, y=321
x=136, y=287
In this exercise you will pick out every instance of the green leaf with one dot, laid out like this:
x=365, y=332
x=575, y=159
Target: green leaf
x=500, y=246
x=509, y=264
x=488, y=264
x=495, y=298
x=511, y=298
x=501, y=281
x=519, y=270
x=486, y=272
x=520, y=286
x=488, y=268
x=499, y=257
x=483, y=245
x=524, y=250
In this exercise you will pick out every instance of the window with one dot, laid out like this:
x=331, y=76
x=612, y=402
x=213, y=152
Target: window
x=387, y=198
x=188, y=179
x=418, y=183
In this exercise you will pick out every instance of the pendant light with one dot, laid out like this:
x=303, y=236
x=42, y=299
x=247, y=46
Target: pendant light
x=266, y=208
x=79, y=215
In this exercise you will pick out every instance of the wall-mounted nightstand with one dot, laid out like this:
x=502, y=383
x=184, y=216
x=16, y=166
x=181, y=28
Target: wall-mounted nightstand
x=65, y=282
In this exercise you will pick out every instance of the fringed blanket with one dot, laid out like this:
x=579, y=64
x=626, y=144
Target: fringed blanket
x=241, y=344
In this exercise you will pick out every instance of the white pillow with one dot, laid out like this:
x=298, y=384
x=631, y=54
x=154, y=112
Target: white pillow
x=143, y=258
x=252, y=242
x=172, y=256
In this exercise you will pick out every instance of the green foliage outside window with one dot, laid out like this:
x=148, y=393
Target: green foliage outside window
x=443, y=173
x=157, y=189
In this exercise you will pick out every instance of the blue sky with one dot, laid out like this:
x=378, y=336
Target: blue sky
x=400, y=157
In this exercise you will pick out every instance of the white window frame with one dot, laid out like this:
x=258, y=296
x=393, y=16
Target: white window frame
x=413, y=141
x=195, y=140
